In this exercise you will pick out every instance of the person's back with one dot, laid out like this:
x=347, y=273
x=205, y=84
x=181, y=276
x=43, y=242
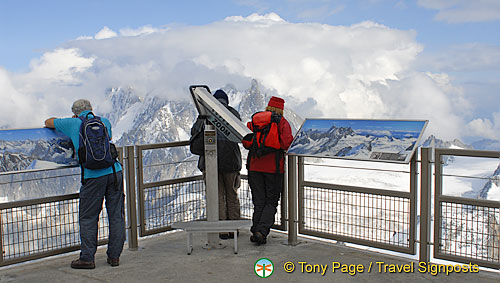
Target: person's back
x=71, y=128
x=267, y=162
x=228, y=166
x=96, y=184
x=265, y=172
x=228, y=152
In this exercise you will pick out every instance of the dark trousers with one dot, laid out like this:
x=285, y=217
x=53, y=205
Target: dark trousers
x=266, y=190
x=91, y=197
x=229, y=203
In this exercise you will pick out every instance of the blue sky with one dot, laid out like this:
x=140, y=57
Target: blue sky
x=436, y=60
x=28, y=28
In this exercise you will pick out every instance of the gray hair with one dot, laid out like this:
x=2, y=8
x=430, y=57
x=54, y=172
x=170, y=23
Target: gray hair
x=81, y=105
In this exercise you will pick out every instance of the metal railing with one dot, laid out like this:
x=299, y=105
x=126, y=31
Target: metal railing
x=379, y=218
x=162, y=193
x=37, y=228
x=465, y=230
x=165, y=201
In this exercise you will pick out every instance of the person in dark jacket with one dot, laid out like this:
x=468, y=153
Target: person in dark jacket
x=265, y=178
x=228, y=166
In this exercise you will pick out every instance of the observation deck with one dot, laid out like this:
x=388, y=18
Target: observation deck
x=39, y=237
x=163, y=258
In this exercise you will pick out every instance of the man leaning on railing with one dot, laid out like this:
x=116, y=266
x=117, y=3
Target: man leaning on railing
x=96, y=184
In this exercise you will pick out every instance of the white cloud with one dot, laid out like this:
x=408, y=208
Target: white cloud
x=484, y=127
x=139, y=31
x=16, y=107
x=104, y=33
x=359, y=71
x=84, y=37
x=253, y=18
x=464, y=11
x=60, y=65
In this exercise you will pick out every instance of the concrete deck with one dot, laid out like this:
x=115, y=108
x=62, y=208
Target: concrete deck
x=163, y=259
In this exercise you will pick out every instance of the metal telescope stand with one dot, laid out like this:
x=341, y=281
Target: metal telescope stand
x=212, y=226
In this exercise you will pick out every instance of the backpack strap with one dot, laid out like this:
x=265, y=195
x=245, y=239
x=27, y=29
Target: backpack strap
x=82, y=170
x=114, y=175
x=82, y=179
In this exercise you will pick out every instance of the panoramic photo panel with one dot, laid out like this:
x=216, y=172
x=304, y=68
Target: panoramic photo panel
x=38, y=148
x=372, y=140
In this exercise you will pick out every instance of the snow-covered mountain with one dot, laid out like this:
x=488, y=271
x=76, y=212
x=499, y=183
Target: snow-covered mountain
x=146, y=118
x=434, y=142
x=139, y=118
x=316, y=141
x=359, y=144
x=136, y=118
x=491, y=189
x=18, y=155
x=485, y=183
x=13, y=161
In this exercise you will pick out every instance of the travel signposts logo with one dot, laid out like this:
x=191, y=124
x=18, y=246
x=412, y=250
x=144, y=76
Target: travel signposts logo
x=263, y=267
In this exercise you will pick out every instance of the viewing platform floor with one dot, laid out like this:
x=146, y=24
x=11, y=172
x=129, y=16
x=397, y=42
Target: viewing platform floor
x=163, y=258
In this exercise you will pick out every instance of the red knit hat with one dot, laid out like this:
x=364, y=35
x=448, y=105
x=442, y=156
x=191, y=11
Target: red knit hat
x=276, y=102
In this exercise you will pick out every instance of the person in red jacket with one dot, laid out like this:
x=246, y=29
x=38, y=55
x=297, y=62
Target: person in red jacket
x=266, y=166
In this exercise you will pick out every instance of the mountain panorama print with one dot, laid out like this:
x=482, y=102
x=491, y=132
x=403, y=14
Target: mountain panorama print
x=38, y=148
x=374, y=140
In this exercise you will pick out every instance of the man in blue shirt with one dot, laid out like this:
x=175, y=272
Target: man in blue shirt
x=97, y=185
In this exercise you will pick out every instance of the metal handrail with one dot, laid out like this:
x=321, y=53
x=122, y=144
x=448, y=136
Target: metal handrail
x=364, y=190
x=37, y=170
x=168, y=163
x=21, y=203
x=41, y=178
x=357, y=168
x=134, y=166
x=470, y=177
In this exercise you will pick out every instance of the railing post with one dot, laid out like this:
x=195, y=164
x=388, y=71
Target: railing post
x=413, y=203
x=131, y=200
x=292, y=200
x=300, y=192
x=1, y=238
x=283, y=225
x=425, y=204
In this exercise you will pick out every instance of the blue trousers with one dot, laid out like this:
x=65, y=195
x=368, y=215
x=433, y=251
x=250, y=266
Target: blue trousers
x=91, y=197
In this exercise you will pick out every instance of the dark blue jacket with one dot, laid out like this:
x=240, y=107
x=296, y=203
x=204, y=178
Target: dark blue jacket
x=228, y=152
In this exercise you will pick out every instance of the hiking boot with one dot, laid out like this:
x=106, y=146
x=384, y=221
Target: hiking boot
x=113, y=261
x=224, y=236
x=260, y=239
x=80, y=264
x=252, y=239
